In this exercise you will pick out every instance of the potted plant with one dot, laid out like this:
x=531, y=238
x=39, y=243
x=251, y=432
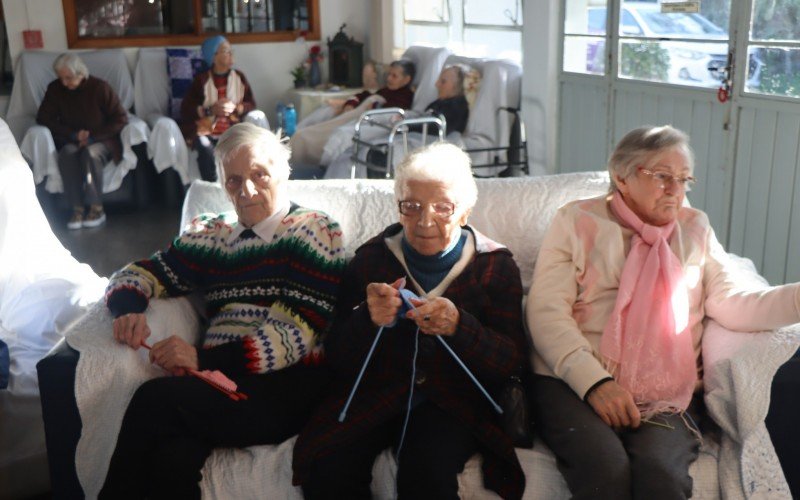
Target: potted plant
x=299, y=74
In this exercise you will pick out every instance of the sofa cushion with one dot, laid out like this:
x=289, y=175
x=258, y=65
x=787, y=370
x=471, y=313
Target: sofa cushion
x=182, y=66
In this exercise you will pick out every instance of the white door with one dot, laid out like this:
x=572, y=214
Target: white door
x=630, y=63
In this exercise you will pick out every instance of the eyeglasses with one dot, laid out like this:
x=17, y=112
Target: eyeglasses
x=663, y=179
x=441, y=209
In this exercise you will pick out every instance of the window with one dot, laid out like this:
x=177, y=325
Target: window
x=680, y=48
x=477, y=28
x=773, y=48
x=112, y=23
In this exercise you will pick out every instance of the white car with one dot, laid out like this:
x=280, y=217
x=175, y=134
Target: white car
x=691, y=63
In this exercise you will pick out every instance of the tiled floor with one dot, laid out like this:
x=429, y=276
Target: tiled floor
x=128, y=234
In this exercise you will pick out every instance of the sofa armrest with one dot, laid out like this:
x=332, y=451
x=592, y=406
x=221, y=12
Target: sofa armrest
x=103, y=380
x=40, y=150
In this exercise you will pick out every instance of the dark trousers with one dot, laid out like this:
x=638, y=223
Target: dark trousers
x=173, y=423
x=204, y=145
x=434, y=452
x=651, y=462
x=82, y=172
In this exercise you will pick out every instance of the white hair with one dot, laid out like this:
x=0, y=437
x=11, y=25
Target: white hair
x=72, y=62
x=439, y=162
x=640, y=144
x=265, y=145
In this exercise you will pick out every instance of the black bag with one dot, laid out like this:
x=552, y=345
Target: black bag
x=516, y=421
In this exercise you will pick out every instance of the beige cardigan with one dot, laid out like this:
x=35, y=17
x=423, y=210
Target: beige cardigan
x=577, y=275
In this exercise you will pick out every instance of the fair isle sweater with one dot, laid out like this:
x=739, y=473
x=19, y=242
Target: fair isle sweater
x=268, y=304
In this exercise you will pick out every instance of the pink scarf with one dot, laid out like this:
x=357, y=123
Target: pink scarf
x=646, y=343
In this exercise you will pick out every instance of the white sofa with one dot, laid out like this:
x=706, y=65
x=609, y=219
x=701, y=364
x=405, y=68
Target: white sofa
x=33, y=74
x=738, y=366
x=42, y=290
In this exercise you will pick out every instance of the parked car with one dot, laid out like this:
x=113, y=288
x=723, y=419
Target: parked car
x=699, y=63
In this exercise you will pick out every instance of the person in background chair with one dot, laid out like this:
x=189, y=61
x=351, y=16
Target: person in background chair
x=85, y=118
x=622, y=286
x=449, y=104
x=270, y=276
x=308, y=143
x=414, y=398
x=217, y=99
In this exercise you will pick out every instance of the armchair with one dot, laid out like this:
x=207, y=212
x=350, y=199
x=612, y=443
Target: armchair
x=33, y=73
x=739, y=367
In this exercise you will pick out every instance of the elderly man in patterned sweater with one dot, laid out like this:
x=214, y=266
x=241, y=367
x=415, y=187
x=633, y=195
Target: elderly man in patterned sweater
x=270, y=280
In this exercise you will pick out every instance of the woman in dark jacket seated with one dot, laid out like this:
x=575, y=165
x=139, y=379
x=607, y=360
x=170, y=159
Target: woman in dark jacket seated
x=451, y=102
x=413, y=396
x=85, y=117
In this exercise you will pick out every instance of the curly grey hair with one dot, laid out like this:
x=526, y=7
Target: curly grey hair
x=640, y=144
x=72, y=62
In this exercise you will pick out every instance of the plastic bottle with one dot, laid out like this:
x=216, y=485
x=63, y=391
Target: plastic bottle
x=290, y=119
x=280, y=110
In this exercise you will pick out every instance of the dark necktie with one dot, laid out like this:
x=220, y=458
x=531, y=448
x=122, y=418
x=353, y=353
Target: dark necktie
x=247, y=234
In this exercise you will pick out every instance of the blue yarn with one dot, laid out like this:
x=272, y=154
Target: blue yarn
x=410, y=395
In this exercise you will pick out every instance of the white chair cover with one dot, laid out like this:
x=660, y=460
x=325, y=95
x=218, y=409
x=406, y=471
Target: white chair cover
x=43, y=289
x=33, y=74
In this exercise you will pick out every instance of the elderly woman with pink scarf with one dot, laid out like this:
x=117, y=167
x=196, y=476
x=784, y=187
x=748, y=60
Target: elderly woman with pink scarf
x=621, y=287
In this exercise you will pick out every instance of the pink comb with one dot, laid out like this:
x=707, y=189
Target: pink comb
x=215, y=379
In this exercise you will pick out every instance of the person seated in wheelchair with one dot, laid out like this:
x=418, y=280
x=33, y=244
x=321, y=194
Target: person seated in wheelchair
x=414, y=397
x=85, y=118
x=450, y=104
x=308, y=142
x=217, y=99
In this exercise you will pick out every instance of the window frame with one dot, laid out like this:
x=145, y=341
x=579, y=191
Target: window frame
x=456, y=26
x=75, y=41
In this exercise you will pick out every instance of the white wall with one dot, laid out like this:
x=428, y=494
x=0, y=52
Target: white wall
x=540, y=82
x=266, y=65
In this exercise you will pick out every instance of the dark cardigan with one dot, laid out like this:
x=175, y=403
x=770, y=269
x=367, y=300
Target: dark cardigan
x=489, y=339
x=93, y=106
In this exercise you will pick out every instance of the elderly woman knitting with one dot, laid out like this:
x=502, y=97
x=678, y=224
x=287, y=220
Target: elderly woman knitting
x=622, y=285
x=413, y=396
x=269, y=275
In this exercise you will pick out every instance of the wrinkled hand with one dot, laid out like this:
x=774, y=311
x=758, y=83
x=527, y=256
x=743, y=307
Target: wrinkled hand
x=383, y=301
x=83, y=137
x=437, y=316
x=223, y=107
x=131, y=329
x=174, y=355
x=615, y=405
